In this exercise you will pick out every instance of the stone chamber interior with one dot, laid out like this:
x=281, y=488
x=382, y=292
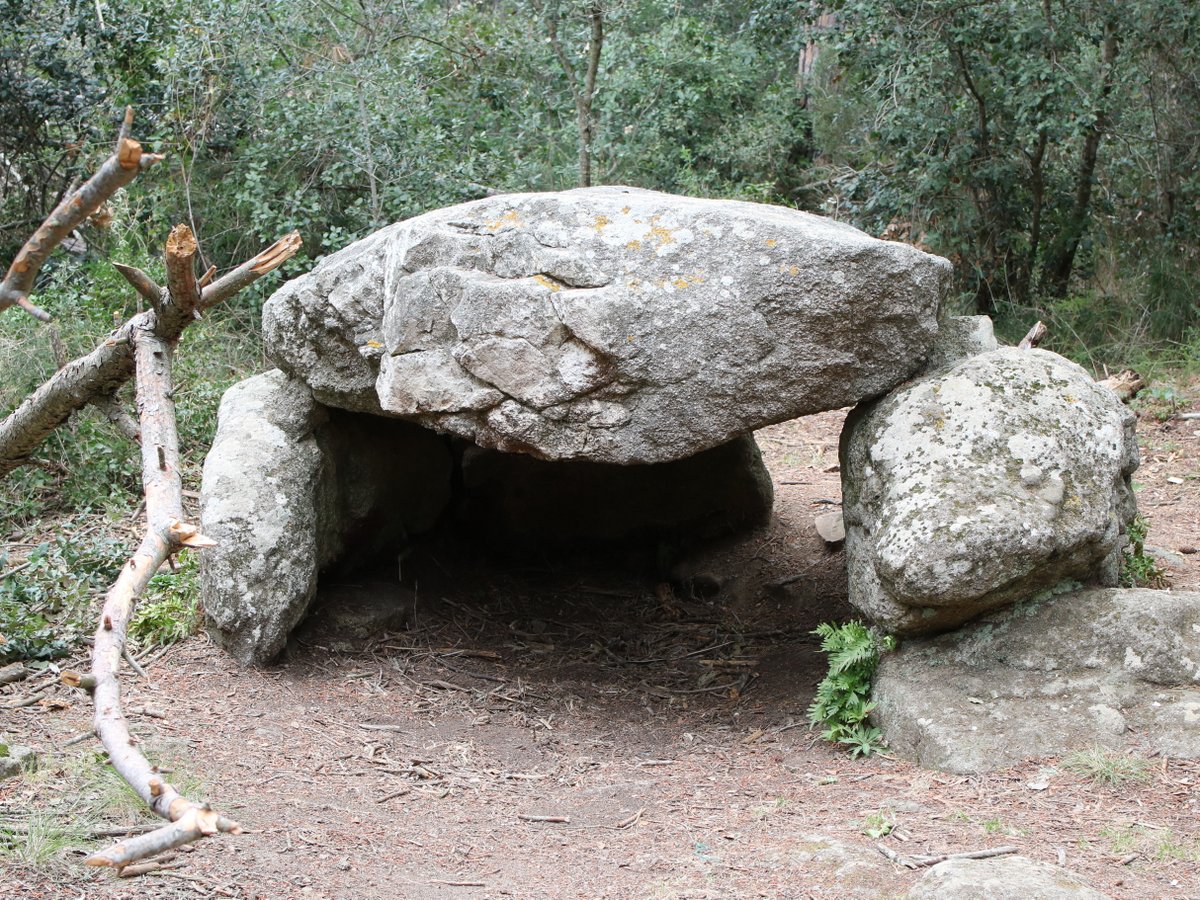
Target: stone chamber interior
x=423, y=520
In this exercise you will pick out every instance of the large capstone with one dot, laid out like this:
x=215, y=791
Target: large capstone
x=965, y=491
x=609, y=324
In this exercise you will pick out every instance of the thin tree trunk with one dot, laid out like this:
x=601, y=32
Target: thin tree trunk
x=1056, y=275
x=584, y=94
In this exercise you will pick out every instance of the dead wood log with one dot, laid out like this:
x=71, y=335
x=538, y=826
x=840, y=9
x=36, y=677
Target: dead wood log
x=1126, y=385
x=127, y=161
x=110, y=365
x=166, y=532
x=1034, y=337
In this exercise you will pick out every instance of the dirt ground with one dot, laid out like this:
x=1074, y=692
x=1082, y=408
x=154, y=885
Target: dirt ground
x=563, y=734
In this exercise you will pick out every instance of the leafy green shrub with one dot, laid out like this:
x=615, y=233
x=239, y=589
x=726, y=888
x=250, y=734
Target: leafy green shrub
x=843, y=700
x=44, y=602
x=1139, y=568
x=169, y=609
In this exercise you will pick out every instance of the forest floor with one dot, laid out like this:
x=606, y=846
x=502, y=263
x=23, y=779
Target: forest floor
x=565, y=734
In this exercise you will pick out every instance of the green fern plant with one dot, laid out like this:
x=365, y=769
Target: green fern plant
x=843, y=702
x=1139, y=568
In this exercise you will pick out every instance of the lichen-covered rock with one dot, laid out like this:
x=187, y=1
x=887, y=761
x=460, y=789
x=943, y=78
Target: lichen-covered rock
x=1006, y=878
x=1097, y=667
x=981, y=485
x=290, y=487
x=609, y=324
x=265, y=501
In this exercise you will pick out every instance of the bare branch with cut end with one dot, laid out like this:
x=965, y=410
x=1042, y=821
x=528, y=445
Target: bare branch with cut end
x=116, y=172
x=142, y=283
x=180, y=255
x=165, y=533
x=251, y=270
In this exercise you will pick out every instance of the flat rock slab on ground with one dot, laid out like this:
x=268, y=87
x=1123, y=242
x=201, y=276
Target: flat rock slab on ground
x=1008, y=878
x=1099, y=667
x=609, y=324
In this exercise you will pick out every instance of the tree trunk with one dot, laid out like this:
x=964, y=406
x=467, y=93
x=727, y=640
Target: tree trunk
x=1056, y=275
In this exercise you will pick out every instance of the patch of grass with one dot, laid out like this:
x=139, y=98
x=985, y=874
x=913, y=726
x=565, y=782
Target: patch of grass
x=40, y=837
x=55, y=807
x=1153, y=843
x=1108, y=768
x=843, y=703
x=1139, y=568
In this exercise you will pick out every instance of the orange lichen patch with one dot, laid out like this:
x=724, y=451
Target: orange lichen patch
x=512, y=217
x=790, y=270
x=662, y=235
x=634, y=245
x=771, y=242
x=600, y=222
x=375, y=345
x=549, y=283
x=683, y=282
x=625, y=210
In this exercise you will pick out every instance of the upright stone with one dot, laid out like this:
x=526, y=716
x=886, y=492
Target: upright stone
x=984, y=484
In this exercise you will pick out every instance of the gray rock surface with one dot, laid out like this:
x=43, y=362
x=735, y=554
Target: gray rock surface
x=609, y=324
x=266, y=503
x=16, y=759
x=959, y=338
x=1004, y=878
x=289, y=487
x=1096, y=667
x=973, y=488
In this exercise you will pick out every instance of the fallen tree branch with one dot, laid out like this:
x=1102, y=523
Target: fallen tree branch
x=1034, y=337
x=126, y=163
x=251, y=270
x=110, y=365
x=166, y=532
x=918, y=862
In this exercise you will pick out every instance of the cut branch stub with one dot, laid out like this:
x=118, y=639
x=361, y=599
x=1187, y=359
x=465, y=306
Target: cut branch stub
x=116, y=172
x=1034, y=337
x=180, y=254
x=142, y=283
